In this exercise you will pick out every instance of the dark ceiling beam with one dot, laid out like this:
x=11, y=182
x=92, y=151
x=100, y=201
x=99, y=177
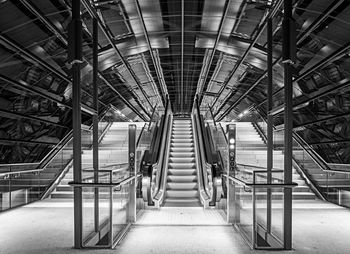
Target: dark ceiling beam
x=314, y=96
x=326, y=119
x=217, y=39
x=101, y=76
x=16, y=115
x=260, y=30
x=91, y=10
x=161, y=81
x=33, y=90
x=35, y=11
x=300, y=39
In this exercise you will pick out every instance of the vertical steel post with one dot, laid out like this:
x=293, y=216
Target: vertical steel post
x=75, y=45
x=269, y=120
x=132, y=171
x=288, y=26
x=95, y=118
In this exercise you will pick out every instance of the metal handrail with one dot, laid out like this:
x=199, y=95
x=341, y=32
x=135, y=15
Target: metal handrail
x=105, y=185
x=203, y=160
x=20, y=164
x=7, y=173
x=260, y=185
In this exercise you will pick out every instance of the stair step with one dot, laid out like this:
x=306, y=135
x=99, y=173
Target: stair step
x=182, y=149
x=174, y=165
x=182, y=179
x=182, y=186
x=183, y=202
x=181, y=159
x=182, y=172
x=181, y=145
x=182, y=154
x=181, y=193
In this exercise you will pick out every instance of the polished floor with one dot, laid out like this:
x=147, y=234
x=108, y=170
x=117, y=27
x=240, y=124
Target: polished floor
x=47, y=227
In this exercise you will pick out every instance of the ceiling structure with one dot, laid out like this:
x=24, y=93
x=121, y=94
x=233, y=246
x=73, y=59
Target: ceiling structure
x=149, y=49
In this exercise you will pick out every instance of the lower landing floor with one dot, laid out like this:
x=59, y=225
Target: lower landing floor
x=47, y=227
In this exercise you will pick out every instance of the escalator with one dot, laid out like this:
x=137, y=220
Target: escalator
x=185, y=173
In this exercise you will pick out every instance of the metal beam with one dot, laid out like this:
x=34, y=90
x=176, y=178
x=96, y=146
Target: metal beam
x=91, y=10
x=300, y=39
x=221, y=25
x=246, y=53
x=156, y=66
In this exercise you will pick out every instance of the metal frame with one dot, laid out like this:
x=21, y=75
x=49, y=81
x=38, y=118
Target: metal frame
x=63, y=39
x=156, y=66
x=103, y=28
x=260, y=30
x=221, y=25
x=300, y=39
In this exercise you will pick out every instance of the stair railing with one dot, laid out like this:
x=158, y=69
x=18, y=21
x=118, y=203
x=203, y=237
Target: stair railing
x=310, y=182
x=68, y=140
x=28, y=177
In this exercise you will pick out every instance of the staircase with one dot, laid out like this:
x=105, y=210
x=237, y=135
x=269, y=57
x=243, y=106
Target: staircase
x=182, y=188
x=252, y=150
x=113, y=149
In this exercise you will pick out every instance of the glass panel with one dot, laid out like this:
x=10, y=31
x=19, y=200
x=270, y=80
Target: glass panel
x=121, y=198
x=243, y=204
x=88, y=215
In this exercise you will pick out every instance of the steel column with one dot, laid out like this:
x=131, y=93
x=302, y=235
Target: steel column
x=95, y=118
x=75, y=39
x=288, y=120
x=269, y=165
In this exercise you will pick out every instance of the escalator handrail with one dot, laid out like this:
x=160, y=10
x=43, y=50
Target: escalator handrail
x=200, y=145
x=201, y=163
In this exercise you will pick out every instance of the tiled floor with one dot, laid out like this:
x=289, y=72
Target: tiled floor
x=47, y=227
